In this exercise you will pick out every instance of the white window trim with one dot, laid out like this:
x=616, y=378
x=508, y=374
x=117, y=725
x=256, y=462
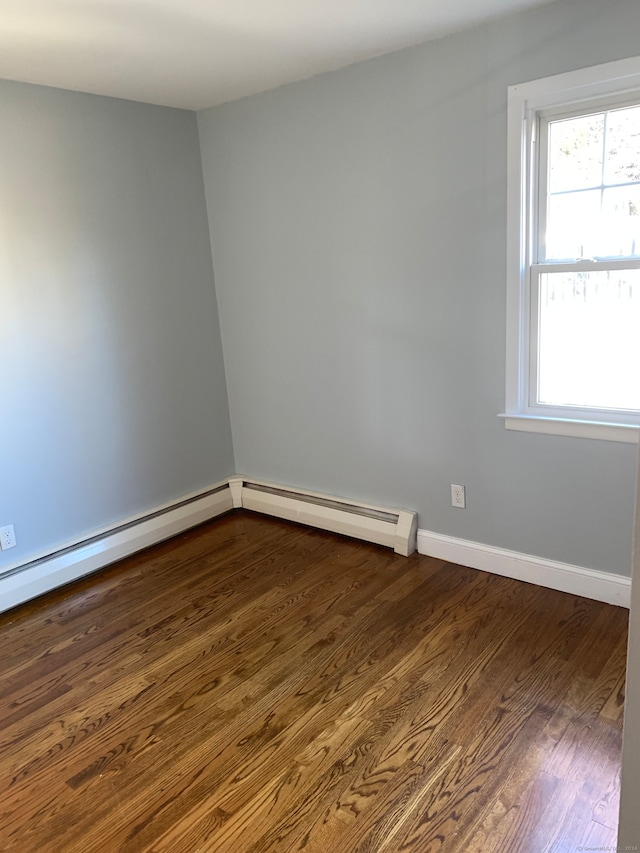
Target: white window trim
x=612, y=79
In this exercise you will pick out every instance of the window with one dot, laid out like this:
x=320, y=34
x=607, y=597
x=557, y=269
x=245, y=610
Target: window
x=573, y=337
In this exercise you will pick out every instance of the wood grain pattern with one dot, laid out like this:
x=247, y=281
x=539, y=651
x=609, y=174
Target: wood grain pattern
x=257, y=687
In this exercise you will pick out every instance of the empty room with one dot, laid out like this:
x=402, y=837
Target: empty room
x=320, y=346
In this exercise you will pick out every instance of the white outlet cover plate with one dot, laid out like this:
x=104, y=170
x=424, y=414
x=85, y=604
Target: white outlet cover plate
x=7, y=537
x=458, y=496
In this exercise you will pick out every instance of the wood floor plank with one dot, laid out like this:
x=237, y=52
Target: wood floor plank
x=258, y=687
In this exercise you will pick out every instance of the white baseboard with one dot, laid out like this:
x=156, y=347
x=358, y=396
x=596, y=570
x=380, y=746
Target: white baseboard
x=20, y=583
x=601, y=586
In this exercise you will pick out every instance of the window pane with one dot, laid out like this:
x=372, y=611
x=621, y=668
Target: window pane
x=622, y=159
x=589, y=339
x=575, y=153
x=572, y=225
x=620, y=233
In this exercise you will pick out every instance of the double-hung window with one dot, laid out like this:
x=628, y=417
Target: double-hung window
x=573, y=337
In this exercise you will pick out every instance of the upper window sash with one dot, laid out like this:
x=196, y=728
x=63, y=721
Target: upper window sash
x=543, y=192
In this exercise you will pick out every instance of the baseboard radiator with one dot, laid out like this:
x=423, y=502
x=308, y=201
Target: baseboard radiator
x=23, y=581
x=395, y=528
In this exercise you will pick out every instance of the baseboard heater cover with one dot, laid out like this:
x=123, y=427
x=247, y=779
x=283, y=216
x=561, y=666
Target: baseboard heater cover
x=395, y=528
x=22, y=582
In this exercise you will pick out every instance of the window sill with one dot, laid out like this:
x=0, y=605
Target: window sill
x=627, y=433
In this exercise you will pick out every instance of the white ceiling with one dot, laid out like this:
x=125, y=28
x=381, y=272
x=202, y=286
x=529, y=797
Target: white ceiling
x=197, y=53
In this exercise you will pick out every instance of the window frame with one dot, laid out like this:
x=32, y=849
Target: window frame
x=598, y=88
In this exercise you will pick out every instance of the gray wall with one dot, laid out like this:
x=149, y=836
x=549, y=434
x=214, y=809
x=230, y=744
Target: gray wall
x=113, y=397
x=358, y=226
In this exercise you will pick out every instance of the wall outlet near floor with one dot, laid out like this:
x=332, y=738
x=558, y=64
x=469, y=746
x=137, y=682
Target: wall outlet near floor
x=457, y=496
x=7, y=537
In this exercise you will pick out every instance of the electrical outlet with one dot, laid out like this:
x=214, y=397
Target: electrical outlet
x=7, y=537
x=457, y=496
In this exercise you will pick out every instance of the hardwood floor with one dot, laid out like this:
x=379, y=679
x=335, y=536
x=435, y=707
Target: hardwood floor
x=257, y=686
